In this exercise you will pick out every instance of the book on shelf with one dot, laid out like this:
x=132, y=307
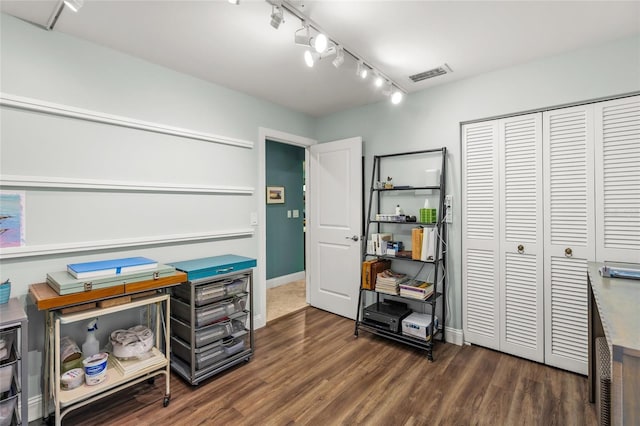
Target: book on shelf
x=388, y=281
x=415, y=289
x=106, y=268
x=132, y=365
x=370, y=270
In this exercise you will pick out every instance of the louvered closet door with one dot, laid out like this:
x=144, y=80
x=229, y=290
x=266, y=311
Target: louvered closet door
x=480, y=243
x=521, y=243
x=569, y=233
x=617, y=156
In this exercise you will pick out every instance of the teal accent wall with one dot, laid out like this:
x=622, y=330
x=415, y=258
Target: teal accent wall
x=285, y=236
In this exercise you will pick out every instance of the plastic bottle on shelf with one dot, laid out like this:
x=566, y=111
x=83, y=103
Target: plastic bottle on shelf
x=91, y=346
x=398, y=210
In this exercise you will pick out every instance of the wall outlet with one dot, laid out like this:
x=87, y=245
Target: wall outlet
x=448, y=208
x=253, y=218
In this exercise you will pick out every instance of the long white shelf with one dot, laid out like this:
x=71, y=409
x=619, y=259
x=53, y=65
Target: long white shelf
x=92, y=313
x=113, y=380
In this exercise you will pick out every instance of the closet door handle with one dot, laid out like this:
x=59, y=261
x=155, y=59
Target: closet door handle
x=354, y=238
x=568, y=252
x=520, y=248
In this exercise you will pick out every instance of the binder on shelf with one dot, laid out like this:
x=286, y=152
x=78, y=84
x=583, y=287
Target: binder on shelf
x=417, y=235
x=380, y=242
x=370, y=271
x=428, y=244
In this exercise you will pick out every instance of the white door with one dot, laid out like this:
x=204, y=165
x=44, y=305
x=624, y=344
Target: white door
x=480, y=230
x=521, y=310
x=617, y=156
x=569, y=233
x=334, y=226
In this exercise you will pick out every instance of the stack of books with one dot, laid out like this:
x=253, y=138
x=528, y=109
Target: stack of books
x=416, y=289
x=388, y=282
x=133, y=365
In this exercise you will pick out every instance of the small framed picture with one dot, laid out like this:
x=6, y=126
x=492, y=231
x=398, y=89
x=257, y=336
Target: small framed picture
x=275, y=194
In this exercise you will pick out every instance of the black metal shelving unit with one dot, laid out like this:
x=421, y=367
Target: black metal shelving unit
x=439, y=264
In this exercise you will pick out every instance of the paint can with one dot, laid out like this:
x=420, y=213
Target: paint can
x=95, y=368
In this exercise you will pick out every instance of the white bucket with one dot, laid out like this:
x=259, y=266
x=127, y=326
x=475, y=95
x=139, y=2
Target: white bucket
x=95, y=368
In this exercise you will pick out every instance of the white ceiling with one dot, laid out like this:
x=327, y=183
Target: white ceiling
x=236, y=47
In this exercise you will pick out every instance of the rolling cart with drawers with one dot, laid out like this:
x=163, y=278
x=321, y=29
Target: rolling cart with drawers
x=211, y=316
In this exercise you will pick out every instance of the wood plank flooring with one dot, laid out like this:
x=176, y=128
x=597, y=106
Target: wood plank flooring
x=309, y=369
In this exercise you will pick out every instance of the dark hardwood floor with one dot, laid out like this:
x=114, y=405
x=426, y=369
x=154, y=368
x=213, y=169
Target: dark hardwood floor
x=309, y=369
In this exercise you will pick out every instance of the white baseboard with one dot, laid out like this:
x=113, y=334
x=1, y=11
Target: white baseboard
x=285, y=279
x=454, y=335
x=35, y=408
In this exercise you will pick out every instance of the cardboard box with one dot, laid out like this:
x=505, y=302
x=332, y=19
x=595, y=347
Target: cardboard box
x=418, y=325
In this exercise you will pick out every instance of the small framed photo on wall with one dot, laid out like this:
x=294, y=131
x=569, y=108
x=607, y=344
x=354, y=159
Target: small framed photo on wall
x=275, y=194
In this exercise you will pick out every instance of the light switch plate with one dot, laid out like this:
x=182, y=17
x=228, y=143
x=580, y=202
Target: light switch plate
x=289, y=214
x=296, y=213
x=253, y=218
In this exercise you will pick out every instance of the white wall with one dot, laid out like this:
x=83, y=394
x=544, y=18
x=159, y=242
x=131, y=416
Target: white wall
x=54, y=67
x=431, y=118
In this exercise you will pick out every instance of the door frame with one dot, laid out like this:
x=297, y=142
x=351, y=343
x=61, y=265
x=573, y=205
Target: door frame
x=260, y=285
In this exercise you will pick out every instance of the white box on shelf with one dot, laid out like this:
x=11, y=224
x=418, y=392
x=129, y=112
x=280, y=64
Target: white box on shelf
x=418, y=325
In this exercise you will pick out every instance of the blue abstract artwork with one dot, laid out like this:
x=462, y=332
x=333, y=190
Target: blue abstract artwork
x=11, y=219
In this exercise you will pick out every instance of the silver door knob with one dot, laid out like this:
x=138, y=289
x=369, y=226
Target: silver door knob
x=354, y=238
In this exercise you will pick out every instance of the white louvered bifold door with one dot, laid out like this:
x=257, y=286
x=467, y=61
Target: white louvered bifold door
x=480, y=260
x=521, y=242
x=569, y=215
x=617, y=156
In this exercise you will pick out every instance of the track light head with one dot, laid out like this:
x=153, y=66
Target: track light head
x=339, y=59
x=234, y=1
x=74, y=5
x=302, y=36
x=378, y=81
x=362, y=70
x=310, y=58
x=277, y=16
x=396, y=97
x=320, y=43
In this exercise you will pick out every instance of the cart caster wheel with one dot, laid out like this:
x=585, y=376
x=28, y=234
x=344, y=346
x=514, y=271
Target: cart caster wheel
x=165, y=401
x=151, y=381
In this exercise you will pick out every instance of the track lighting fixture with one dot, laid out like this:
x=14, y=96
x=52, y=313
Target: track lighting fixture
x=396, y=97
x=378, y=81
x=277, y=15
x=320, y=43
x=74, y=5
x=302, y=36
x=310, y=58
x=339, y=59
x=362, y=71
x=319, y=46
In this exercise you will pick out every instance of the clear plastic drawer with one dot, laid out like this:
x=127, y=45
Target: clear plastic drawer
x=204, y=356
x=212, y=292
x=203, y=336
x=207, y=314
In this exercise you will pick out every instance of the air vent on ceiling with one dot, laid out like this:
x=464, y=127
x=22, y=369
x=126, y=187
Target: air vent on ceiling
x=430, y=73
